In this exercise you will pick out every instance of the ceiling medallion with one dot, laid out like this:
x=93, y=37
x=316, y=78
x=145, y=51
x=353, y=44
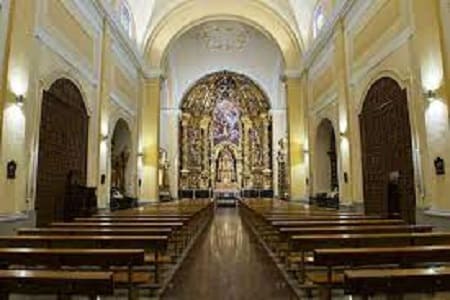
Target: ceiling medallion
x=224, y=36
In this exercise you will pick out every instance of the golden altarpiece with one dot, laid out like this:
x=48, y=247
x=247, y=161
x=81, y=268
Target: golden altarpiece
x=225, y=135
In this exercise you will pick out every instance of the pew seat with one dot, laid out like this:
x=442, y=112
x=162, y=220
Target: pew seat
x=45, y=282
x=396, y=281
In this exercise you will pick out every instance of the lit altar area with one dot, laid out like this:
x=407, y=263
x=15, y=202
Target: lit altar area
x=225, y=139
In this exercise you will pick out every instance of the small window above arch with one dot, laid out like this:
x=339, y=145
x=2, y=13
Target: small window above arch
x=320, y=17
x=125, y=17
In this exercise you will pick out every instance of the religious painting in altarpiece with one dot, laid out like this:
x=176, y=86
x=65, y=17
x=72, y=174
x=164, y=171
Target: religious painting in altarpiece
x=225, y=135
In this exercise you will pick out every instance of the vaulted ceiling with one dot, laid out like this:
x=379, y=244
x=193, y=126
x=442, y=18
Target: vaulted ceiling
x=149, y=13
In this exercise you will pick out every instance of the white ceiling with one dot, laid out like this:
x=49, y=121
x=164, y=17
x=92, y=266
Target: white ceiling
x=148, y=13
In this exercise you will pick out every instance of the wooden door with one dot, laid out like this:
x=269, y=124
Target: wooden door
x=387, y=148
x=63, y=138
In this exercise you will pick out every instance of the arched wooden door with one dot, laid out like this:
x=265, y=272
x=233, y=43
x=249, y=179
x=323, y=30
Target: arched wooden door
x=63, y=139
x=386, y=147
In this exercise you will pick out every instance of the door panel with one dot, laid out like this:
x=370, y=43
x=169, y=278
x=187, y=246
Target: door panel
x=386, y=147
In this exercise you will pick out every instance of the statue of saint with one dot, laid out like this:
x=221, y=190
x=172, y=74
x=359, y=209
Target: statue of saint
x=226, y=168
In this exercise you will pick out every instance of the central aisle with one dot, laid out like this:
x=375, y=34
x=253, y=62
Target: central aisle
x=226, y=264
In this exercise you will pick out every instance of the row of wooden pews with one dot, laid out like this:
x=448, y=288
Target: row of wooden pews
x=135, y=250
x=327, y=253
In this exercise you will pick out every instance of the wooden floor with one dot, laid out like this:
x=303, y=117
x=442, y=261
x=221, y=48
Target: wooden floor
x=227, y=265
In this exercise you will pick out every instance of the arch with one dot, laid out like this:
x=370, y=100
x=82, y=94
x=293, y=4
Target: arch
x=402, y=81
x=250, y=78
x=386, y=150
x=47, y=81
x=217, y=78
x=62, y=155
x=190, y=14
x=325, y=154
x=121, y=147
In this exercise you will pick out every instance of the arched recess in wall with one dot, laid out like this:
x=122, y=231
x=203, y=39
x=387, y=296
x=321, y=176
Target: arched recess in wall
x=62, y=158
x=253, y=13
x=121, y=147
x=225, y=135
x=386, y=148
x=326, y=168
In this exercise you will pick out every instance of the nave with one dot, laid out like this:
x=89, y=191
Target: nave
x=228, y=263
x=261, y=249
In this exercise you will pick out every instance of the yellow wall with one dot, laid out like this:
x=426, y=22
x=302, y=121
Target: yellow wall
x=49, y=40
x=401, y=39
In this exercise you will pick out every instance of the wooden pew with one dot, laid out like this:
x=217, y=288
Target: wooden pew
x=178, y=235
x=139, y=214
x=173, y=225
x=318, y=218
x=370, y=282
x=154, y=246
x=307, y=243
x=403, y=256
x=101, y=258
x=61, y=283
x=113, y=219
x=357, y=257
x=278, y=224
x=284, y=233
x=94, y=231
x=287, y=232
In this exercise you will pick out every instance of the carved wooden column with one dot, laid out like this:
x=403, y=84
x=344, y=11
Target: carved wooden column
x=266, y=140
x=205, y=173
x=246, y=154
x=267, y=168
x=184, y=151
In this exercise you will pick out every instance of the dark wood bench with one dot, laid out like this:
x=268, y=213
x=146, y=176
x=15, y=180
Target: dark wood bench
x=396, y=281
x=139, y=214
x=154, y=246
x=303, y=244
x=173, y=225
x=281, y=237
x=278, y=224
x=105, y=259
x=408, y=256
x=131, y=219
x=179, y=235
x=319, y=218
x=61, y=283
x=287, y=232
x=94, y=231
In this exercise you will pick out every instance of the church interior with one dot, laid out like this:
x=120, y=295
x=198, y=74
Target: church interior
x=239, y=149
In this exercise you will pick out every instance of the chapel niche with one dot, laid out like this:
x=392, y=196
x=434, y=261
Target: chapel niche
x=225, y=135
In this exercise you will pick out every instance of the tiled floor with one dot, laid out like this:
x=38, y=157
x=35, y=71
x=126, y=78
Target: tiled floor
x=228, y=265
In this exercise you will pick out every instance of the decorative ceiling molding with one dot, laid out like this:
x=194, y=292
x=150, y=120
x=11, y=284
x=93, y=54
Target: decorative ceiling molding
x=251, y=12
x=223, y=36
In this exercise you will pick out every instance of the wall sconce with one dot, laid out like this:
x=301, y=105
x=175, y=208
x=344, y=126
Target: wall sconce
x=20, y=99
x=430, y=95
x=342, y=134
x=104, y=137
x=140, y=154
